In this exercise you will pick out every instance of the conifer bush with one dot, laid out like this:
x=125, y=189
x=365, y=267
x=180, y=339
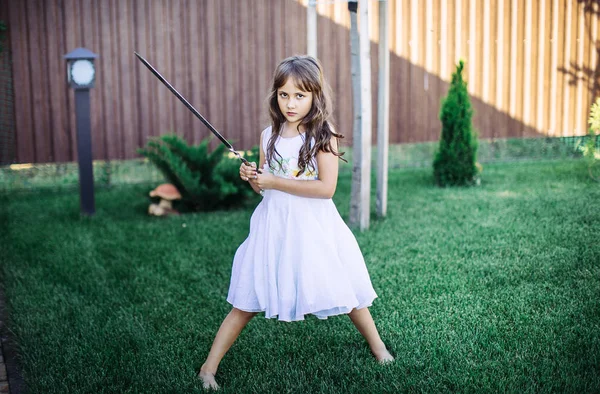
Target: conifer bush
x=206, y=180
x=455, y=162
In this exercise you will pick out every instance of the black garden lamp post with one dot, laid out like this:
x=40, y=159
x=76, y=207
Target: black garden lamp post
x=81, y=75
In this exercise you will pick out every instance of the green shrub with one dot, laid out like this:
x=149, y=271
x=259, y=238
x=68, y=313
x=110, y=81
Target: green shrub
x=206, y=180
x=455, y=159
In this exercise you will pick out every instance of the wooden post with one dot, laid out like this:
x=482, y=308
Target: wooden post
x=365, y=104
x=311, y=28
x=356, y=135
x=383, y=110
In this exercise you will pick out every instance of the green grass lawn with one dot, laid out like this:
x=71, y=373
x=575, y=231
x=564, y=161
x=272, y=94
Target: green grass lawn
x=487, y=289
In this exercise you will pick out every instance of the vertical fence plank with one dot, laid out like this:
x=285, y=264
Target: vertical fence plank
x=243, y=33
x=501, y=66
x=591, y=55
x=423, y=114
x=264, y=67
x=395, y=66
x=486, y=111
x=486, y=53
x=549, y=62
x=72, y=34
x=454, y=48
x=127, y=78
x=161, y=55
x=470, y=31
x=439, y=63
x=589, y=48
x=373, y=34
x=429, y=74
x=514, y=51
x=575, y=66
x=97, y=102
x=471, y=34
x=107, y=75
x=58, y=92
x=257, y=82
x=527, y=64
x=119, y=128
x=39, y=86
x=89, y=40
x=329, y=67
x=141, y=90
x=413, y=78
x=99, y=139
x=564, y=64
x=579, y=112
x=197, y=44
x=542, y=40
x=215, y=88
x=189, y=68
x=516, y=121
x=343, y=93
x=559, y=78
x=170, y=61
x=175, y=65
x=22, y=85
x=552, y=72
x=151, y=102
x=532, y=46
x=443, y=73
x=227, y=78
x=493, y=60
x=103, y=78
x=403, y=88
x=575, y=71
x=586, y=67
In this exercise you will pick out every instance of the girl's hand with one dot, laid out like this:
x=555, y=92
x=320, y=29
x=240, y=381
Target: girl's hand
x=248, y=171
x=265, y=180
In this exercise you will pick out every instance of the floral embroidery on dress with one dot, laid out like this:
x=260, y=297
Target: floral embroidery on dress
x=288, y=168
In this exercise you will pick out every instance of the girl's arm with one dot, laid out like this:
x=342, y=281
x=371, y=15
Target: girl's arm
x=250, y=172
x=323, y=187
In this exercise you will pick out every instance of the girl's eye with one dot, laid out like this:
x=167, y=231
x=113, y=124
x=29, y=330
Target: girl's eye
x=283, y=95
x=299, y=96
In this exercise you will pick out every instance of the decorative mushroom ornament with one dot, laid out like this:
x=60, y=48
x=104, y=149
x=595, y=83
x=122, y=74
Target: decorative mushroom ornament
x=167, y=194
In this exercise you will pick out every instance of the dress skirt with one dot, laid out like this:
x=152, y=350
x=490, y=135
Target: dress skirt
x=300, y=258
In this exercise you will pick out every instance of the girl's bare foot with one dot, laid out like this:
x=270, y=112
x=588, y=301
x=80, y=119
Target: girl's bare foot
x=382, y=355
x=208, y=380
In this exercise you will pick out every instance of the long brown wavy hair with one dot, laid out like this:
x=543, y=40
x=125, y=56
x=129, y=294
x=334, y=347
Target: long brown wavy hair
x=307, y=74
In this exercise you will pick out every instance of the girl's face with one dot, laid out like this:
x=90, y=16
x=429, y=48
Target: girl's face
x=294, y=103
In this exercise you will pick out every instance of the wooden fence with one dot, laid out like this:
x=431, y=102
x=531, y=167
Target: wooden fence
x=532, y=67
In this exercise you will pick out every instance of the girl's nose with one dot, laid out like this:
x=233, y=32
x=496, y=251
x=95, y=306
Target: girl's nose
x=291, y=104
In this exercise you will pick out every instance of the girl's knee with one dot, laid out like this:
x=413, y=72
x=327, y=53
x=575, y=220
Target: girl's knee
x=243, y=314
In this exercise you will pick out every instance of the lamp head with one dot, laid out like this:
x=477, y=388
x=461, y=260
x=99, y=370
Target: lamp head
x=81, y=71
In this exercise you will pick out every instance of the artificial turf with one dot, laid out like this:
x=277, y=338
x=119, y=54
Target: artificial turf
x=490, y=288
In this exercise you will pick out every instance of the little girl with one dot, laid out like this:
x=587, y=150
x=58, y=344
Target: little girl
x=300, y=257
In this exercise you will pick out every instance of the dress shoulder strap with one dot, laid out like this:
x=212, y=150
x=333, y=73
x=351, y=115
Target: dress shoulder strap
x=266, y=135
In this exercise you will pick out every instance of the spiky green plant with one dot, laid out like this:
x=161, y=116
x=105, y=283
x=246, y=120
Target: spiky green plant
x=206, y=180
x=455, y=161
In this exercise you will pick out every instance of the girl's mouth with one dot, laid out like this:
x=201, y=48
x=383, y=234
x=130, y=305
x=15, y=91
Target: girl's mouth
x=291, y=114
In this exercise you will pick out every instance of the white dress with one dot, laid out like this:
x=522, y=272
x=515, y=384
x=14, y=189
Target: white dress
x=300, y=258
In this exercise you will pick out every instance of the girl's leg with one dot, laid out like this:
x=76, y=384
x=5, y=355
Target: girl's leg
x=366, y=326
x=230, y=329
